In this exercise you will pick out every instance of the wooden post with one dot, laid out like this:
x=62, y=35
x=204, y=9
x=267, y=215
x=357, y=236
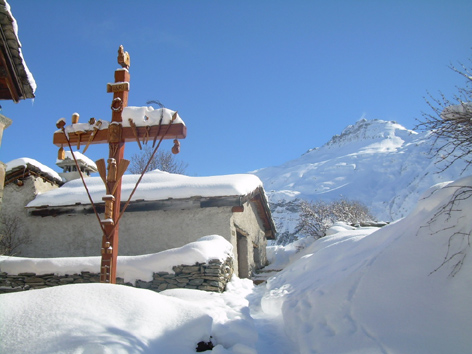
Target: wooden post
x=116, y=151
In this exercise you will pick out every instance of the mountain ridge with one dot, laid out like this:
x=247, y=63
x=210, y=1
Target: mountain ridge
x=379, y=163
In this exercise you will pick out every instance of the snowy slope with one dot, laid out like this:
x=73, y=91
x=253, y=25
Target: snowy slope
x=379, y=163
x=404, y=288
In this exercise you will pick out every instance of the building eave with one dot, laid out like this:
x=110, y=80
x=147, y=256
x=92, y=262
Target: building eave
x=22, y=172
x=235, y=202
x=16, y=82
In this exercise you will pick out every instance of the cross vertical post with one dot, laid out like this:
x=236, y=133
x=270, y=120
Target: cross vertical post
x=116, y=152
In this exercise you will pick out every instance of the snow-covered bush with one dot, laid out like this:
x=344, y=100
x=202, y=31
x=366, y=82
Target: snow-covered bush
x=317, y=217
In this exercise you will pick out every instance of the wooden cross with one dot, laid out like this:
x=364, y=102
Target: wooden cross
x=115, y=134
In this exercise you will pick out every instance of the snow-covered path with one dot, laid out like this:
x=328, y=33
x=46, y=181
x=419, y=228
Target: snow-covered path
x=272, y=338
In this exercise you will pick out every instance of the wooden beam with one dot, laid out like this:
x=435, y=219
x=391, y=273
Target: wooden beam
x=14, y=90
x=176, y=131
x=238, y=209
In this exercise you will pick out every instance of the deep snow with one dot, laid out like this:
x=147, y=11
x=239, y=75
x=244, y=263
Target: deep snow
x=389, y=290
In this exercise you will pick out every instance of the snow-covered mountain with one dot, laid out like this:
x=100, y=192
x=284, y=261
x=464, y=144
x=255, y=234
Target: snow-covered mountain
x=380, y=163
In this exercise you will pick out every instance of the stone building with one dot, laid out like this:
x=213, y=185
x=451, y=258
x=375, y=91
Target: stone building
x=166, y=211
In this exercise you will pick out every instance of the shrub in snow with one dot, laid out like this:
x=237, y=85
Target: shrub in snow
x=12, y=235
x=317, y=217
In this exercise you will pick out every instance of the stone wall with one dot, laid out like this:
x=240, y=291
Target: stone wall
x=211, y=276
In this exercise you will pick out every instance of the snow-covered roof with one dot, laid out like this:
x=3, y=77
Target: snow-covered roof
x=12, y=46
x=20, y=167
x=155, y=185
x=80, y=157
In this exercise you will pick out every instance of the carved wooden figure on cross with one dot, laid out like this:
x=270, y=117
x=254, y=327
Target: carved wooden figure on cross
x=127, y=124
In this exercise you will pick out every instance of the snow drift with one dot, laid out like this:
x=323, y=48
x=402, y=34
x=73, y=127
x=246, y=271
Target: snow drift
x=402, y=289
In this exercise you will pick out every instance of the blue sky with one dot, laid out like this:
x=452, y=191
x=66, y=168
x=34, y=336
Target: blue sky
x=257, y=83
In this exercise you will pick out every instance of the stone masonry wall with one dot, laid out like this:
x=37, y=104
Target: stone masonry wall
x=211, y=276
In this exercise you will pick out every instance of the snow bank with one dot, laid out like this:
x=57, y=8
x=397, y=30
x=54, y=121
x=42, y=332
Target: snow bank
x=233, y=328
x=155, y=185
x=100, y=318
x=106, y=318
x=130, y=268
x=395, y=290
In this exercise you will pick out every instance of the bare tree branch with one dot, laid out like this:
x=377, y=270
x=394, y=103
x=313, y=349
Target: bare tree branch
x=451, y=122
x=163, y=160
x=442, y=221
x=12, y=235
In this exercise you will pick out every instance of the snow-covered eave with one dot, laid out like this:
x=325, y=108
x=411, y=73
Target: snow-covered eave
x=142, y=205
x=18, y=71
x=68, y=160
x=21, y=172
x=259, y=198
x=235, y=202
x=150, y=204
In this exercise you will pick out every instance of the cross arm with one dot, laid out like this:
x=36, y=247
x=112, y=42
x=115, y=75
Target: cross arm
x=145, y=124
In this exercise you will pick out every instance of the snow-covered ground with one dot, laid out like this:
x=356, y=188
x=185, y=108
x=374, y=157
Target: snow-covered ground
x=405, y=288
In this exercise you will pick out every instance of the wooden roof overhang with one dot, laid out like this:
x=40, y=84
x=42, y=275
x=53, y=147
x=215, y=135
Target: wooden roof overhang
x=262, y=205
x=22, y=172
x=14, y=82
x=235, y=202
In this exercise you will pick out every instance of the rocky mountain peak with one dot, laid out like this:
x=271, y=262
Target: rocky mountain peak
x=369, y=130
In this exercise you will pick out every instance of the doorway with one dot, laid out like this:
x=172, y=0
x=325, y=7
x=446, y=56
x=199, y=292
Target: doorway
x=243, y=255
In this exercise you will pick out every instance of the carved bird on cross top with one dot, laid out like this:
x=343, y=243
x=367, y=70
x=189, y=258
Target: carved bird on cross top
x=123, y=58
